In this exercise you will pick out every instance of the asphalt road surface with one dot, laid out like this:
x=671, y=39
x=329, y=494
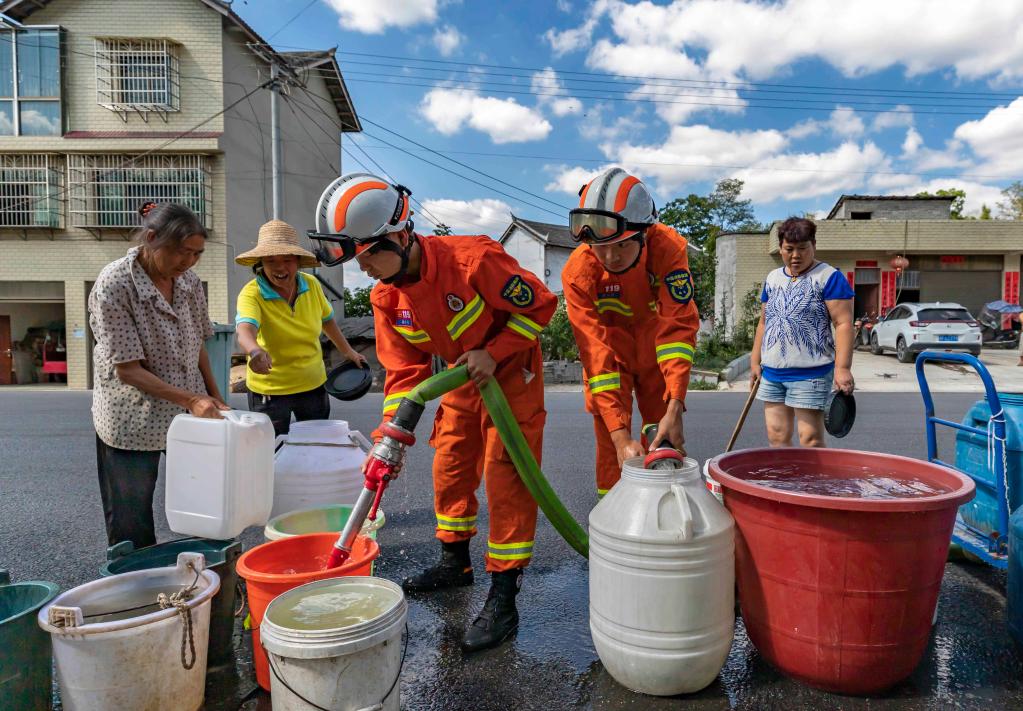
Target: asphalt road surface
x=51, y=528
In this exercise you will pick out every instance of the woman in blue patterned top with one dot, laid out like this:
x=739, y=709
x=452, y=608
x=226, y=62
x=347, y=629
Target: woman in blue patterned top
x=796, y=354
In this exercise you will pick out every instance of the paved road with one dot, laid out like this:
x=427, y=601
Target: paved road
x=51, y=528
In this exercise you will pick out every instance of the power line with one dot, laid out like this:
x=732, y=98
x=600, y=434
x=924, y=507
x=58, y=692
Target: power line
x=717, y=104
x=555, y=82
x=452, y=172
x=650, y=78
x=293, y=18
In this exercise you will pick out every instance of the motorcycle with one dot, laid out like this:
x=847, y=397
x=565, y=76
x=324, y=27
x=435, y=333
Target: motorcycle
x=992, y=318
x=864, y=325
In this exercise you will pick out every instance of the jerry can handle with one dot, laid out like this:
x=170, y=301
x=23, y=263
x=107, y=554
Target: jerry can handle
x=684, y=510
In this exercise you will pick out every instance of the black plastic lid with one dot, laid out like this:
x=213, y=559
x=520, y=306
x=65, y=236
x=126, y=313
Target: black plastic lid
x=348, y=381
x=839, y=413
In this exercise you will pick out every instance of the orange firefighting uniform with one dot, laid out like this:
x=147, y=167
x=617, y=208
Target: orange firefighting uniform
x=635, y=331
x=471, y=294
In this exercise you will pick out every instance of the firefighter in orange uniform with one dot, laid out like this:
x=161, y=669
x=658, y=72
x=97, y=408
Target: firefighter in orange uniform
x=466, y=300
x=629, y=297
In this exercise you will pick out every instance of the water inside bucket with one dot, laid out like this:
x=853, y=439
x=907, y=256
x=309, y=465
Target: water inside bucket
x=332, y=607
x=865, y=484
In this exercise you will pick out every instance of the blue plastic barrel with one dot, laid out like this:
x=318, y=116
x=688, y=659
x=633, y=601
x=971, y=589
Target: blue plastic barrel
x=1014, y=605
x=972, y=458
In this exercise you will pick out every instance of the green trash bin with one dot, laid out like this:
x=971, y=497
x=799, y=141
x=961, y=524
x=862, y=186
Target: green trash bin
x=220, y=347
x=25, y=652
x=220, y=558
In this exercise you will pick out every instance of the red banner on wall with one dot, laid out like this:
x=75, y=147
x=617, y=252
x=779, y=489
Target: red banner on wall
x=1012, y=287
x=851, y=277
x=887, y=291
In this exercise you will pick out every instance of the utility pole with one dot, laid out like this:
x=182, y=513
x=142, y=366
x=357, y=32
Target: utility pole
x=275, y=139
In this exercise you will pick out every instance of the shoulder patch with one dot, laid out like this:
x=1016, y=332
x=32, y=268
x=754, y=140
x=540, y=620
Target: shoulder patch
x=455, y=303
x=680, y=285
x=518, y=292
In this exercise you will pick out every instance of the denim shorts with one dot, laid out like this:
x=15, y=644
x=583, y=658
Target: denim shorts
x=809, y=394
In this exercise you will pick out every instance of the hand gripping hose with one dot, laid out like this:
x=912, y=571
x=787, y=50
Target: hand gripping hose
x=387, y=456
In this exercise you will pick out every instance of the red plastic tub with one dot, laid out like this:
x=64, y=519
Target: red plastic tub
x=839, y=592
x=279, y=566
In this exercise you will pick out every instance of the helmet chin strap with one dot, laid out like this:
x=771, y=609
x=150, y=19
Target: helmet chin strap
x=399, y=276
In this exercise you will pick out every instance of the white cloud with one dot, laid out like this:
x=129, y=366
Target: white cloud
x=913, y=142
x=375, y=16
x=900, y=116
x=977, y=39
x=552, y=94
x=802, y=175
x=447, y=40
x=996, y=139
x=564, y=6
x=692, y=153
x=844, y=122
x=569, y=180
x=482, y=216
x=504, y=120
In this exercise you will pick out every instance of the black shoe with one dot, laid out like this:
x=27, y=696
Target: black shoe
x=499, y=619
x=453, y=571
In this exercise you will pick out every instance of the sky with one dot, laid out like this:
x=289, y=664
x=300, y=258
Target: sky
x=803, y=100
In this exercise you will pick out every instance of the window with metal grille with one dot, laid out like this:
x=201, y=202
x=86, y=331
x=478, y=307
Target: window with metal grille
x=138, y=75
x=31, y=190
x=107, y=190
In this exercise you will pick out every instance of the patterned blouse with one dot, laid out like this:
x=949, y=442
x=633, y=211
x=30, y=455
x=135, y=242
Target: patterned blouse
x=132, y=321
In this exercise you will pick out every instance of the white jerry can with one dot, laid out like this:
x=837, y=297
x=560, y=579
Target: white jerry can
x=219, y=474
x=662, y=580
x=318, y=463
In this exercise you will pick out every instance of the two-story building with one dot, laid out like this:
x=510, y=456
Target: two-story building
x=970, y=262
x=105, y=104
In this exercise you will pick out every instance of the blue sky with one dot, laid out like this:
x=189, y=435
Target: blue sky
x=802, y=99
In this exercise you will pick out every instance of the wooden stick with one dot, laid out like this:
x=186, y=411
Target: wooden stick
x=745, y=411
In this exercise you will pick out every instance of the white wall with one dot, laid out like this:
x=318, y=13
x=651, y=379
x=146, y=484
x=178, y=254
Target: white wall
x=556, y=260
x=527, y=250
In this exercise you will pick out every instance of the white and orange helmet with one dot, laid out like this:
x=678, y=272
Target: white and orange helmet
x=613, y=207
x=356, y=211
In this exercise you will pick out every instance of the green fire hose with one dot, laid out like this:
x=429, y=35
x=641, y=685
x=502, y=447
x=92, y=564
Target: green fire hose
x=517, y=447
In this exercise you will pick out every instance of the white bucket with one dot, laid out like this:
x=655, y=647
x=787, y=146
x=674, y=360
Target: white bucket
x=354, y=668
x=132, y=663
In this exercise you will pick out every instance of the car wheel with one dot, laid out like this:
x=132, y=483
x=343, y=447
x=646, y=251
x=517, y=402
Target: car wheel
x=902, y=352
x=975, y=352
x=875, y=345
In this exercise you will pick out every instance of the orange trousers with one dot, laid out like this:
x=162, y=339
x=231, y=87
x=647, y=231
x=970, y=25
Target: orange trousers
x=649, y=388
x=469, y=448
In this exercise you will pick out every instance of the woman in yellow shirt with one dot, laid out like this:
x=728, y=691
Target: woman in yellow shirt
x=280, y=316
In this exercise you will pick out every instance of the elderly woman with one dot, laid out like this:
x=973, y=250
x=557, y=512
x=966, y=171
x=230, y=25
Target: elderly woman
x=280, y=316
x=148, y=313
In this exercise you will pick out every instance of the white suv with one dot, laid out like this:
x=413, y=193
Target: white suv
x=911, y=328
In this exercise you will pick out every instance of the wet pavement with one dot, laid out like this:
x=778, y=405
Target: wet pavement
x=51, y=528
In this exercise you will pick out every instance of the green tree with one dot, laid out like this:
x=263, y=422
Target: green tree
x=701, y=218
x=958, y=202
x=985, y=212
x=1012, y=207
x=442, y=229
x=557, y=341
x=357, y=302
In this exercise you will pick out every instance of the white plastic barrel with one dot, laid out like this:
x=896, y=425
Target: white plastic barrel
x=132, y=660
x=219, y=474
x=662, y=580
x=319, y=462
x=353, y=668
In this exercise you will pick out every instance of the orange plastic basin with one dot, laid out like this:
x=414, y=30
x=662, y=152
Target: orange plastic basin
x=839, y=591
x=279, y=566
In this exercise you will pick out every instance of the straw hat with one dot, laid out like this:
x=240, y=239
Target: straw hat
x=277, y=238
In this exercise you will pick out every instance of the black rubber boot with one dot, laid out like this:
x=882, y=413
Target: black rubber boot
x=453, y=571
x=499, y=619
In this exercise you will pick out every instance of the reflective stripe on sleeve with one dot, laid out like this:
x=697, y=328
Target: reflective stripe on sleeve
x=392, y=401
x=413, y=336
x=524, y=326
x=607, y=381
x=616, y=305
x=668, y=351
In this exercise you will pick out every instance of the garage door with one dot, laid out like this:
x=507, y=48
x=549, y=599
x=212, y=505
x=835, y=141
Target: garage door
x=971, y=289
